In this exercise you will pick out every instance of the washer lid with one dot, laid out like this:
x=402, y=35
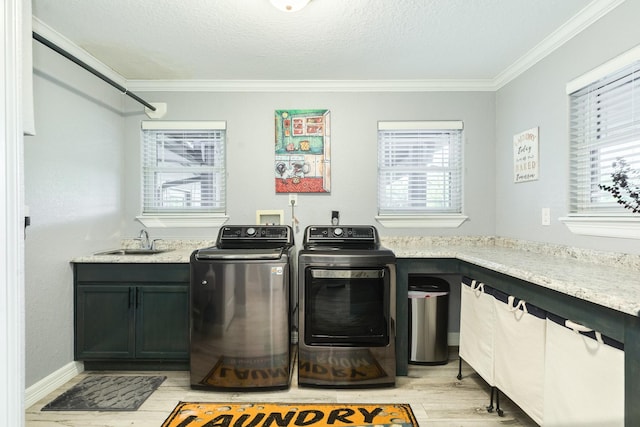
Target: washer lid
x=214, y=253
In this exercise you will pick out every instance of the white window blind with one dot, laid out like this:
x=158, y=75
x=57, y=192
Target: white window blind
x=604, y=128
x=183, y=167
x=420, y=167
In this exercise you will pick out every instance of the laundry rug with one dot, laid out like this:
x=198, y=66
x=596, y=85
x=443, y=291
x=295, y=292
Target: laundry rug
x=106, y=393
x=203, y=414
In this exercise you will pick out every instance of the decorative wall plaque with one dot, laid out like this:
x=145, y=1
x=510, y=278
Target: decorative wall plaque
x=525, y=156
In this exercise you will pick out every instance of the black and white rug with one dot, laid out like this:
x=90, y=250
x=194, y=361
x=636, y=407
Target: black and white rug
x=106, y=393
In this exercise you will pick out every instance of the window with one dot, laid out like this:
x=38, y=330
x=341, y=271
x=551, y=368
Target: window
x=605, y=128
x=604, y=134
x=419, y=169
x=183, y=168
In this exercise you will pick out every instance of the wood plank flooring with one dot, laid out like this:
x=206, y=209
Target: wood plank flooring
x=436, y=396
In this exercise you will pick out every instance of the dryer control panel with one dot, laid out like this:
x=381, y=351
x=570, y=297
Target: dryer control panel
x=341, y=236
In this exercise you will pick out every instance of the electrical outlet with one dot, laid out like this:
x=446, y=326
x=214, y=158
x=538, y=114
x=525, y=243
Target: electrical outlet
x=293, y=199
x=546, y=216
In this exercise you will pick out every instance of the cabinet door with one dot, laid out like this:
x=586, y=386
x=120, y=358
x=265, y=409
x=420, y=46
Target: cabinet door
x=104, y=322
x=162, y=322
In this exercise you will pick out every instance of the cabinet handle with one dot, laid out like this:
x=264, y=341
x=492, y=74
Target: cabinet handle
x=131, y=301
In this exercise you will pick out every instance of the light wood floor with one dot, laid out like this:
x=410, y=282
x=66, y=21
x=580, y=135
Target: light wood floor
x=436, y=396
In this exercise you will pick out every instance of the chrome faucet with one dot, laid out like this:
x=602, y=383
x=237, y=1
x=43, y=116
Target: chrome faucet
x=153, y=244
x=144, y=239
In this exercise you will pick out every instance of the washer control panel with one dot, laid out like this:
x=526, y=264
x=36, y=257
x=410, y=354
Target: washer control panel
x=254, y=235
x=319, y=235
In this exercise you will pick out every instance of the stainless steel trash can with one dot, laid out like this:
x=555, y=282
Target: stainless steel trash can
x=428, y=320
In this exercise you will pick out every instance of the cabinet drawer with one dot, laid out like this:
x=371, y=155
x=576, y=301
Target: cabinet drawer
x=118, y=272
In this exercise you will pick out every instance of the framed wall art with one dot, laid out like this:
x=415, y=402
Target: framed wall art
x=302, y=151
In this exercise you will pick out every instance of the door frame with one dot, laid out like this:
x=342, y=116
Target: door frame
x=12, y=360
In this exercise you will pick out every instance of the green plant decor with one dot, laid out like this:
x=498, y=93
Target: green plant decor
x=623, y=189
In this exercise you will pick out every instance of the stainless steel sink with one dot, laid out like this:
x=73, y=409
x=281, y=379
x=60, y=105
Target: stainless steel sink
x=133, y=251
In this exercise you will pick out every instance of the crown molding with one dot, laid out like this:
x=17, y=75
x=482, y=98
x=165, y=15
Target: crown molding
x=310, y=85
x=595, y=10
x=587, y=16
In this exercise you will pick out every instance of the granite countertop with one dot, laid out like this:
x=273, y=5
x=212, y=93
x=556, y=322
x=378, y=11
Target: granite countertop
x=178, y=252
x=606, y=278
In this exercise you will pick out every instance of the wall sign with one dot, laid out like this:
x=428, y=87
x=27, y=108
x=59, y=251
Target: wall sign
x=525, y=156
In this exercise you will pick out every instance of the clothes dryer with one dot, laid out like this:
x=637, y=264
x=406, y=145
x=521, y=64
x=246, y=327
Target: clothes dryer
x=347, y=288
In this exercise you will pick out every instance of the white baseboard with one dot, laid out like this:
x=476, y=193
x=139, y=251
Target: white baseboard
x=51, y=382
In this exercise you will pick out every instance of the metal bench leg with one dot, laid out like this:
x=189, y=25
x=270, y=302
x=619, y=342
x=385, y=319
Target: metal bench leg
x=498, y=410
x=490, y=407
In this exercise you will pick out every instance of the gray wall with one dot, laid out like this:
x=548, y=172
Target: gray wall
x=354, y=117
x=73, y=187
x=538, y=98
x=82, y=168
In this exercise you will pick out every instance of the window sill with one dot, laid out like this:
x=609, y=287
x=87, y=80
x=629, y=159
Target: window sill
x=421, y=221
x=623, y=227
x=182, y=221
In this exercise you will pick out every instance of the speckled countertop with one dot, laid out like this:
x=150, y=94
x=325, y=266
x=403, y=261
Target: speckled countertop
x=178, y=252
x=609, y=279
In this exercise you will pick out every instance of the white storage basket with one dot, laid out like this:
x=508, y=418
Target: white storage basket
x=520, y=353
x=477, y=321
x=584, y=376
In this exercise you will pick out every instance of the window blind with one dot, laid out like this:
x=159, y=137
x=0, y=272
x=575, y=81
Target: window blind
x=183, y=167
x=419, y=167
x=604, y=129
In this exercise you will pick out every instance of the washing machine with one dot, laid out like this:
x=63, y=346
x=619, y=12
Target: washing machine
x=242, y=305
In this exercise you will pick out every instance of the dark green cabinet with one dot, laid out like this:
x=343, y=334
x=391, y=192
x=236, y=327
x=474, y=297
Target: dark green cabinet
x=131, y=313
x=162, y=322
x=104, y=320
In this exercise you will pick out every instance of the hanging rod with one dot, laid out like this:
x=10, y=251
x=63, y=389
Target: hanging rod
x=92, y=70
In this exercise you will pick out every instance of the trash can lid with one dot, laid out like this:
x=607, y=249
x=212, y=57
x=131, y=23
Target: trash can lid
x=424, y=283
x=419, y=294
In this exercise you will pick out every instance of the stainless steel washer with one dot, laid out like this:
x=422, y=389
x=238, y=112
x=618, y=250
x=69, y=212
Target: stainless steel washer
x=241, y=309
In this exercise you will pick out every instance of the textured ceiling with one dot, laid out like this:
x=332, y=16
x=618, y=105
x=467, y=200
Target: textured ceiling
x=328, y=40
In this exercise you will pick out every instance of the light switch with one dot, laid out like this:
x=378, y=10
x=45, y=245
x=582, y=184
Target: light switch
x=546, y=216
